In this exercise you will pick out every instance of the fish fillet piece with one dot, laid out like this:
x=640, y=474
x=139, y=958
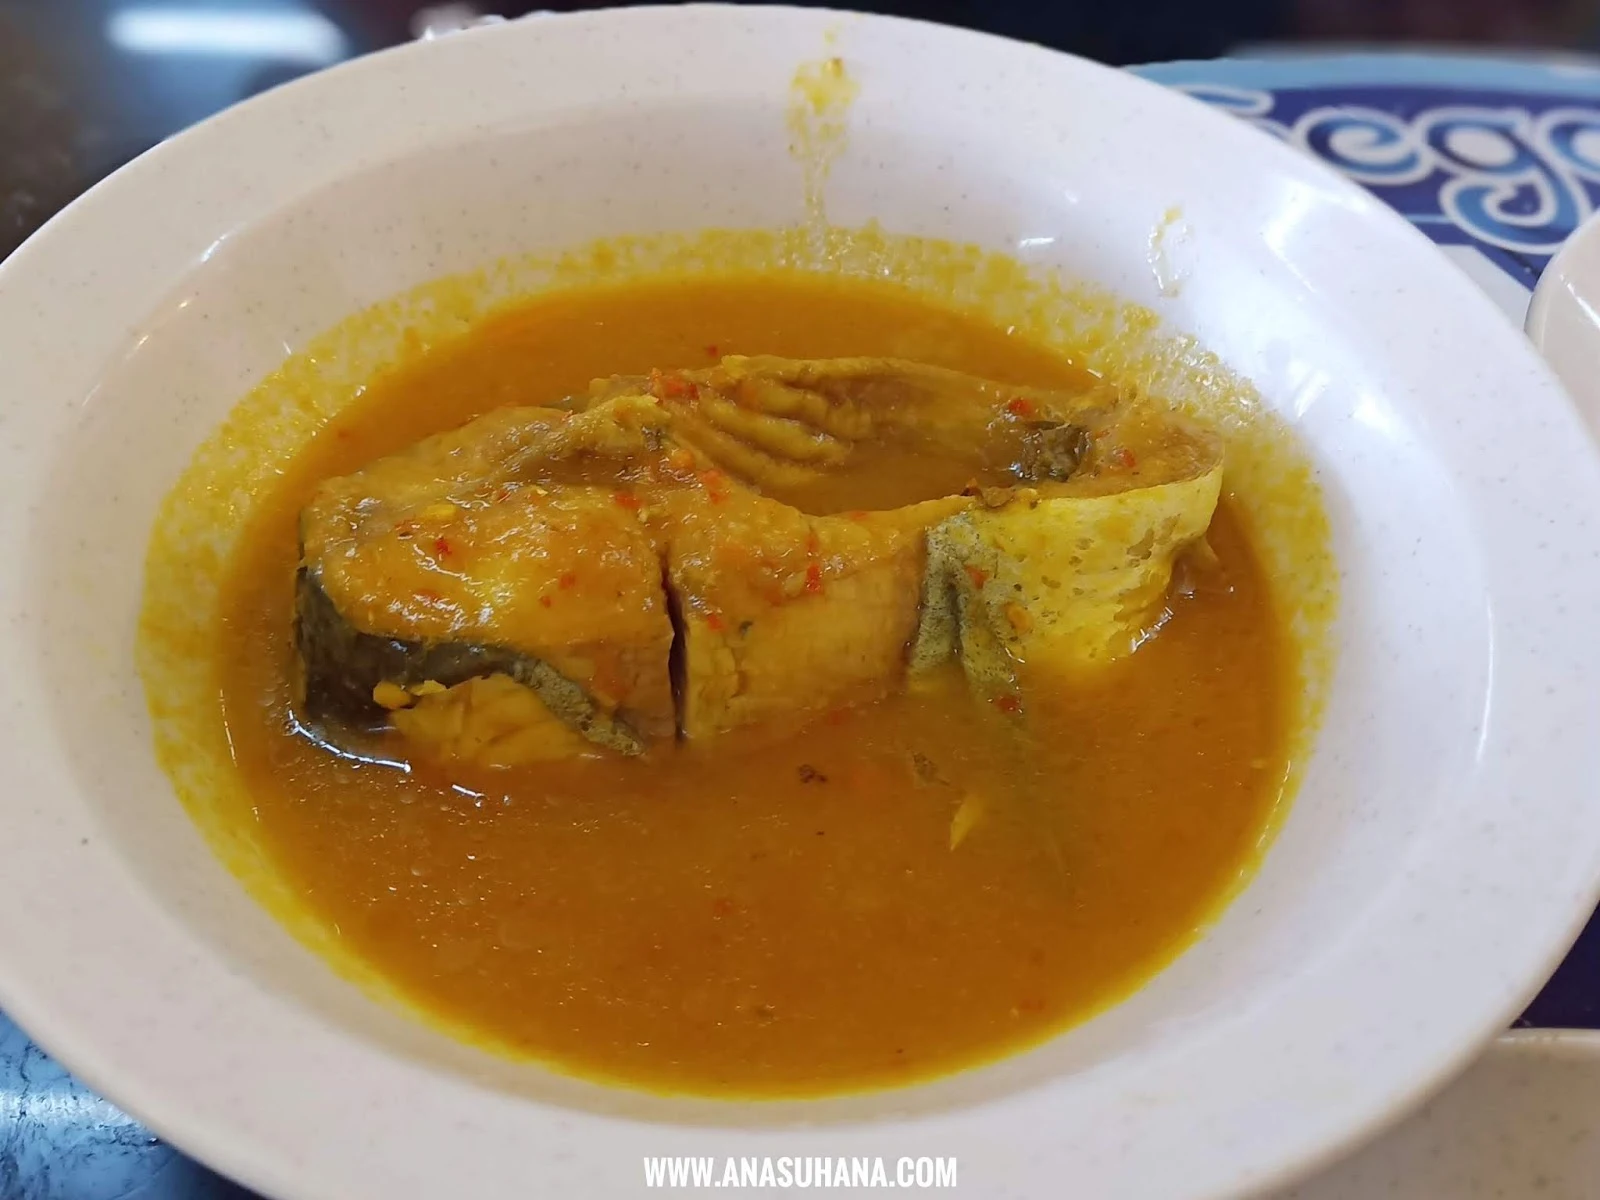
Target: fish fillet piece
x=1068, y=578
x=783, y=615
x=491, y=720
x=754, y=543
x=868, y=433
x=483, y=551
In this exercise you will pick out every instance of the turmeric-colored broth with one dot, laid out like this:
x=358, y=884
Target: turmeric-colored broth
x=770, y=913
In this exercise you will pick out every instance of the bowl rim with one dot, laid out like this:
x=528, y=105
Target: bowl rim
x=216, y=1122
x=1563, y=318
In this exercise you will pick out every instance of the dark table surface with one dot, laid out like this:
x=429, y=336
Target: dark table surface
x=85, y=85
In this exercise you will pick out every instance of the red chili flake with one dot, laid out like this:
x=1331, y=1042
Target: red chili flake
x=343, y=434
x=1126, y=458
x=978, y=576
x=627, y=500
x=722, y=907
x=715, y=483
x=676, y=386
x=567, y=580
x=712, y=351
x=1008, y=704
x=1020, y=406
x=715, y=623
x=544, y=601
x=859, y=514
x=442, y=547
x=813, y=578
x=428, y=596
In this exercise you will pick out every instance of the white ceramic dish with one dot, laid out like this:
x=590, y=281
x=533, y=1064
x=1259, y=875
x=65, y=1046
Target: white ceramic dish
x=1520, y=1122
x=1564, y=318
x=1445, y=845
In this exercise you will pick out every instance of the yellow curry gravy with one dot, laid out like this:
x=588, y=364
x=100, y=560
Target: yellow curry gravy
x=768, y=913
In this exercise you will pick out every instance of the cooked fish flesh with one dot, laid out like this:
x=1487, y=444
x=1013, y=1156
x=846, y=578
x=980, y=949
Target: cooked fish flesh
x=783, y=614
x=882, y=432
x=481, y=552
x=1062, y=581
x=691, y=552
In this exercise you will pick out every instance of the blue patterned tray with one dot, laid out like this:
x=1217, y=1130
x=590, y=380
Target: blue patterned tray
x=1496, y=161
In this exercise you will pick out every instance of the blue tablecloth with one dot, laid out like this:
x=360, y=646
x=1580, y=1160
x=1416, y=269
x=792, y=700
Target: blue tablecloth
x=1497, y=161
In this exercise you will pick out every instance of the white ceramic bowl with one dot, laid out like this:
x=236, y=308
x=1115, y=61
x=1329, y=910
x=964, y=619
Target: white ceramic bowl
x=1446, y=842
x=1564, y=318
x=1519, y=1123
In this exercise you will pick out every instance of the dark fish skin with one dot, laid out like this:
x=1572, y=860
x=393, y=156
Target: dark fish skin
x=340, y=666
x=1054, y=450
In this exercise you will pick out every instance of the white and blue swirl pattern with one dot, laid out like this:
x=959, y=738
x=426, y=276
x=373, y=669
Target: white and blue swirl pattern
x=1514, y=178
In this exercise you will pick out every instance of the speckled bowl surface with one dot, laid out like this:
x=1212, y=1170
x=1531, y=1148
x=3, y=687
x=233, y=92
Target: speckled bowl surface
x=1519, y=1123
x=1564, y=318
x=1445, y=844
